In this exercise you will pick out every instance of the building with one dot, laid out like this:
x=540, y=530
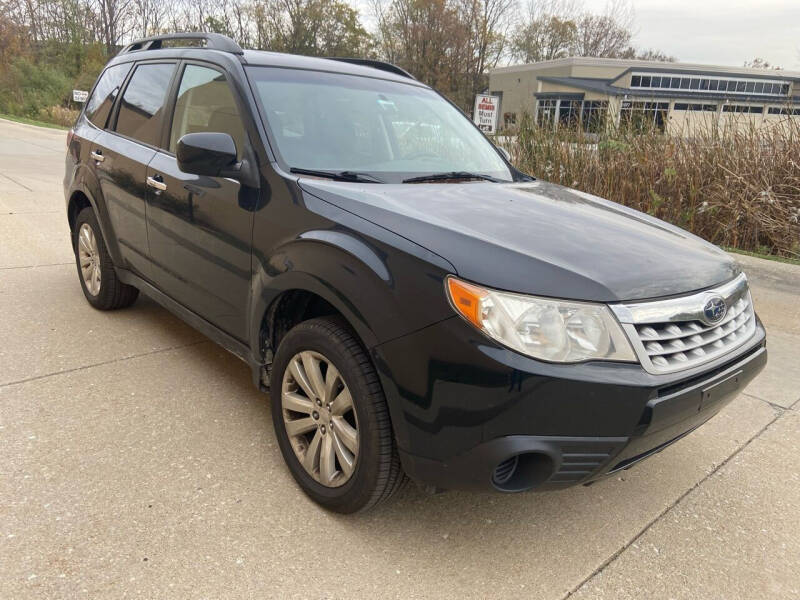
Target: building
x=674, y=97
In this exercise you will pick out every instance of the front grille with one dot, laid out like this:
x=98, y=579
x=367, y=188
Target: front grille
x=673, y=346
x=675, y=334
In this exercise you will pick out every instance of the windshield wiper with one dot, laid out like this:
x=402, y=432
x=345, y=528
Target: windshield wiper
x=339, y=175
x=450, y=175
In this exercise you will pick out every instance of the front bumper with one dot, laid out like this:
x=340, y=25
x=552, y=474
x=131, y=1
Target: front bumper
x=469, y=414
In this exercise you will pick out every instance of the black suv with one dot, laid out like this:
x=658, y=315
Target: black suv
x=415, y=304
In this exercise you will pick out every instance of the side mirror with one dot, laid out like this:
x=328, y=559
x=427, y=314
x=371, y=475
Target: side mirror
x=505, y=153
x=206, y=153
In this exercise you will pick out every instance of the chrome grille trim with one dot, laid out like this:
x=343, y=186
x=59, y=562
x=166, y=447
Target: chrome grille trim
x=673, y=335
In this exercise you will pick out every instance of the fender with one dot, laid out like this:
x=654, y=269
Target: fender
x=377, y=288
x=85, y=181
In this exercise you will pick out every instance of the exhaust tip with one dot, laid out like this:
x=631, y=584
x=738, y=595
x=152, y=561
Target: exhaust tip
x=505, y=470
x=522, y=472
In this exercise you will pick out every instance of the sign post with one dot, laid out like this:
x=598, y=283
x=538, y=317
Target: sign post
x=485, y=114
x=80, y=95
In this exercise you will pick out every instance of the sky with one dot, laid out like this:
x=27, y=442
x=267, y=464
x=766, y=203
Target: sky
x=719, y=32
x=716, y=32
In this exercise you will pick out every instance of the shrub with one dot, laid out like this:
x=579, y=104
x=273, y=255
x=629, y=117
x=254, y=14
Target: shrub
x=734, y=186
x=26, y=88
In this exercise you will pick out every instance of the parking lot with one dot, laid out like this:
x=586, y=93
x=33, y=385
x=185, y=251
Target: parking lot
x=138, y=461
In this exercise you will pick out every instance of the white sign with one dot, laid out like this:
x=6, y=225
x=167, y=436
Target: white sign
x=80, y=95
x=485, y=115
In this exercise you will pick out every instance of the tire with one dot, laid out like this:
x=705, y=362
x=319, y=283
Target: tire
x=106, y=292
x=375, y=473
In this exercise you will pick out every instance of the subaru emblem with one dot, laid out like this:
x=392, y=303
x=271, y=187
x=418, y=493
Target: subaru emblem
x=714, y=310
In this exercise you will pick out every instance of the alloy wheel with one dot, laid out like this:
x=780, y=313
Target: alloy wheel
x=89, y=258
x=320, y=419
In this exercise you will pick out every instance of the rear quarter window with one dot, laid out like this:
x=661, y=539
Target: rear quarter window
x=142, y=106
x=98, y=107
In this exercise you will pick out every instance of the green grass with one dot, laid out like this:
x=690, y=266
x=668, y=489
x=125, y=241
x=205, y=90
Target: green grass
x=783, y=259
x=28, y=121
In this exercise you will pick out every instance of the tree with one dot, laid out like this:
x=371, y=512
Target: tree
x=606, y=35
x=488, y=23
x=560, y=28
x=311, y=27
x=148, y=16
x=430, y=39
x=114, y=19
x=545, y=38
x=547, y=32
x=649, y=54
x=448, y=44
x=760, y=63
x=12, y=41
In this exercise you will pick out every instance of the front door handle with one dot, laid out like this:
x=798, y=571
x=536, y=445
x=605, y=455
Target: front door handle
x=98, y=156
x=155, y=183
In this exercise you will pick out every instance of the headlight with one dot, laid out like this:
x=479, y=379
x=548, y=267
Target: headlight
x=551, y=330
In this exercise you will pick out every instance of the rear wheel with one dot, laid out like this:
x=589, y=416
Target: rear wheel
x=99, y=280
x=331, y=418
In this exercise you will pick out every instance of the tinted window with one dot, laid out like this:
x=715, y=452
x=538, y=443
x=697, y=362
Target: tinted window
x=205, y=103
x=105, y=92
x=140, y=111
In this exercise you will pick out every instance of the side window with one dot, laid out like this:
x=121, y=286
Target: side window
x=141, y=109
x=205, y=103
x=105, y=92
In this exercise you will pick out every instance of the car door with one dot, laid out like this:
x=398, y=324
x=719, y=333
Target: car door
x=87, y=152
x=121, y=154
x=199, y=227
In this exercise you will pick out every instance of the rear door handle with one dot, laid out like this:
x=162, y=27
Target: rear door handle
x=98, y=156
x=155, y=183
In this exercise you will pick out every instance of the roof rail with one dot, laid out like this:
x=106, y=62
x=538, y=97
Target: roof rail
x=376, y=64
x=214, y=41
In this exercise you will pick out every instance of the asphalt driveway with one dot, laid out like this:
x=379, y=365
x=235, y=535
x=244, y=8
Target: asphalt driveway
x=138, y=461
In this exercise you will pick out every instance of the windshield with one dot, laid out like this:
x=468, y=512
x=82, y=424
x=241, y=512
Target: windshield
x=390, y=130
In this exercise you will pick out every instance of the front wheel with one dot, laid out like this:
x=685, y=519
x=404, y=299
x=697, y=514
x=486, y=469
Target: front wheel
x=331, y=418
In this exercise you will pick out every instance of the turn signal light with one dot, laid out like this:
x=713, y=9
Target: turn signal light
x=466, y=299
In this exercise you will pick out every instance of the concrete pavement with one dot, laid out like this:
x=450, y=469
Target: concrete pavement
x=137, y=461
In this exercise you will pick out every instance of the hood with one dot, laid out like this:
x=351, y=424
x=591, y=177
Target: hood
x=538, y=238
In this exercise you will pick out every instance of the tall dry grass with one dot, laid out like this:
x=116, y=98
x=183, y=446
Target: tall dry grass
x=736, y=186
x=60, y=115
